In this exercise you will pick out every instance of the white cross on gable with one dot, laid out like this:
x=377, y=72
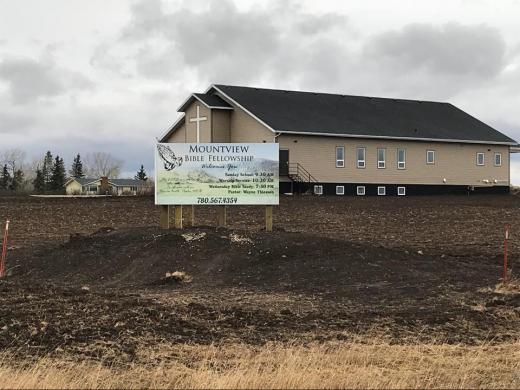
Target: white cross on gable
x=197, y=120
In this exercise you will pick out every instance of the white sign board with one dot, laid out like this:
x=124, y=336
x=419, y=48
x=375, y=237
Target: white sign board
x=217, y=174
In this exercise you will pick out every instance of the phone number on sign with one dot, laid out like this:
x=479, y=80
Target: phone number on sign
x=216, y=200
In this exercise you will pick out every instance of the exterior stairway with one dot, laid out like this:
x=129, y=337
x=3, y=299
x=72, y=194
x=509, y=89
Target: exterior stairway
x=301, y=180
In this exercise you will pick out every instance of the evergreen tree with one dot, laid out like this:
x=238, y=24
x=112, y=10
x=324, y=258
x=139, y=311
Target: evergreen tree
x=17, y=182
x=47, y=170
x=57, y=174
x=77, y=168
x=5, y=179
x=39, y=182
x=141, y=174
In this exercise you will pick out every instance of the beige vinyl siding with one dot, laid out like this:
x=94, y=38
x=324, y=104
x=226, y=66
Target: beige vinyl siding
x=245, y=128
x=220, y=122
x=222, y=126
x=179, y=135
x=454, y=161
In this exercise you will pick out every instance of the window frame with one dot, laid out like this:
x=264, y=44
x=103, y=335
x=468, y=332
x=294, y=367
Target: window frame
x=316, y=187
x=404, y=158
x=497, y=154
x=383, y=166
x=340, y=160
x=399, y=189
x=433, y=154
x=483, y=159
x=379, y=190
x=363, y=192
x=342, y=188
x=364, y=161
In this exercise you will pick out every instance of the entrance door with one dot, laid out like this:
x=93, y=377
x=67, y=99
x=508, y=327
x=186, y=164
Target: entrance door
x=284, y=162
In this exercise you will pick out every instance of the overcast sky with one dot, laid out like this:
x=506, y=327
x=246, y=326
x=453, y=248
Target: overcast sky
x=108, y=75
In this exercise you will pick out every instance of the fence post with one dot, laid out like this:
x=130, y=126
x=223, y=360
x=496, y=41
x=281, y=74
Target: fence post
x=4, y=250
x=504, y=276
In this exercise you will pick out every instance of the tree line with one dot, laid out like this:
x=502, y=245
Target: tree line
x=49, y=174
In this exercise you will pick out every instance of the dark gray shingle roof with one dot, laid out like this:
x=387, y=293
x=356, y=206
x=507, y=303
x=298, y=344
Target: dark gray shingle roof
x=84, y=180
x=210, y=100
x=127, y=182
x=346, y=115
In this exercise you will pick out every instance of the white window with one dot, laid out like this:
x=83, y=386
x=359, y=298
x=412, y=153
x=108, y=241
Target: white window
x=361, y=190
x=361, y=157
x=430, y=157
x=401, y=159
x=381, y=190
x=340, y=156
x=340, y=190
x=381, y=158
x=498, y=159
x=318, y=190
x=480, y=158
x=401, y=191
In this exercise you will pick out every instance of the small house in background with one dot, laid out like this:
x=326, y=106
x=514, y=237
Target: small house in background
x=106, y=186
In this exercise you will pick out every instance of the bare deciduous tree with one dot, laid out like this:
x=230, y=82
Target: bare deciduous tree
x=102, y=164
x=13, y=158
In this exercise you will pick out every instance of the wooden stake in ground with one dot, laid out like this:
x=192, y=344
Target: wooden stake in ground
x=504, y=277
x=164, y=219
x=221, y=216
x=4, y=250
x=268, y=218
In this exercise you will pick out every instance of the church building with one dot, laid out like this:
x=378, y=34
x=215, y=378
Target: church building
x=354, y=145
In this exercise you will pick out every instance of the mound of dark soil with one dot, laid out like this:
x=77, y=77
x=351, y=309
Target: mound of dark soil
x=279, y=260
x=111, y=291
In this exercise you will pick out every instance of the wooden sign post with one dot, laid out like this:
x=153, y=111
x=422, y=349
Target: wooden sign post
x=189, y=215
x=187, y=219
x=222, y=216
x=178, y=217
x=268, y=218
x=164, y=221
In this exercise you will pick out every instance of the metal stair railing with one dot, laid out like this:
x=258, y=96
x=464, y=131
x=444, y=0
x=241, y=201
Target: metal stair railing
x=298, y=174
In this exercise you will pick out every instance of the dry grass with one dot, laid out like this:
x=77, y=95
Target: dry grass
x=329, y=365
x=511, y=287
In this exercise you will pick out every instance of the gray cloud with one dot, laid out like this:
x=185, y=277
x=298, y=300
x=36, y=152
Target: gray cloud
x=282, y=45
x=29, y=79
x=316, y=24
x=225, y=44
x=450, y=49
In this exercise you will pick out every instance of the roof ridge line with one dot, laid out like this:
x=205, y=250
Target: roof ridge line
x=329, y=93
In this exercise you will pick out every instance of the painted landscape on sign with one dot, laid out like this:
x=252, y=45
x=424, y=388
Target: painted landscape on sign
x=217, y=174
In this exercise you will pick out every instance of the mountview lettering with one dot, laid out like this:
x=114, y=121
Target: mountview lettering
x=218, y=149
